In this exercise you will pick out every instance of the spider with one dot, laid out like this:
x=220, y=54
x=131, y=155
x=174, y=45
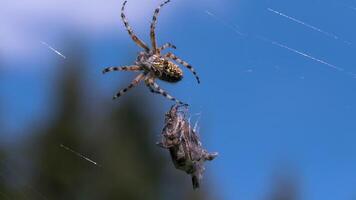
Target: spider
x=151, y=63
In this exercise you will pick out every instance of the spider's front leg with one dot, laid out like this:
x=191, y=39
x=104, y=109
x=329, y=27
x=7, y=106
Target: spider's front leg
x=153, y=27
x=133, y=68
x=185, y=64
x=165, y=46
x=154, y=88
x=133, y=84
x=130, y=31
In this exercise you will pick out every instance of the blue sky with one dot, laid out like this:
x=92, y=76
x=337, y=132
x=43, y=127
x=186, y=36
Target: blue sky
x=274, y=91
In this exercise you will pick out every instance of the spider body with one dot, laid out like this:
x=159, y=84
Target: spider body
x=151, y=63
x=161, y=67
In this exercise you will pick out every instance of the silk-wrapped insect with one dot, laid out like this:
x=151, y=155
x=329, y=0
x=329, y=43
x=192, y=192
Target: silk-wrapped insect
x=185, y=148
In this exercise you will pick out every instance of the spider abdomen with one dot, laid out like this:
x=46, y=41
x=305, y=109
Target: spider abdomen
x=167, y=71
x=172, y=74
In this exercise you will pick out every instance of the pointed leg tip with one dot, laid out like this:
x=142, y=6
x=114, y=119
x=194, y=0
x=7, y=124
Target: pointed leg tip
x=105, y=70
x=183, y=104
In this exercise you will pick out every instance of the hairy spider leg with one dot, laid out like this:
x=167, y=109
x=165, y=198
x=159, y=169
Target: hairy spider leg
x=185, y=64
x=165, y=46
x=130, y=31
x=133, y=68
x=149, y=80
x=155, y=88
x=152, y=89
x=153, y=27
x=133, y=84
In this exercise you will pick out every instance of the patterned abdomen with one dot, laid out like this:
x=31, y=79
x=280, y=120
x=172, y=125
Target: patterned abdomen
x=167, y=71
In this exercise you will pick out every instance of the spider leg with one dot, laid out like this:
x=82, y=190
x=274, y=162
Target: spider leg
x=134, y=83
x=134, y=68
x=153, y=27
x=185, y=64
x=149, y=79
x=154, y=88
x=130, y=31
x=165, y=46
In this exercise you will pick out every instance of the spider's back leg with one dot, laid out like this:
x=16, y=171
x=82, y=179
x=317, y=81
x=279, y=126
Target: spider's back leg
x=133, y=84
x=154, y=88
x=185, y=64
x=130, y=31
x=133, y=68
x=153, y=27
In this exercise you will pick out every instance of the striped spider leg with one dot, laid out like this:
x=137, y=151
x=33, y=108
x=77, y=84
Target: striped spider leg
x=133, y=84
x=133, y=68
x=153, y=27
x=130, y=31
x=155, y=88
x=165, y=46
x=185, y=64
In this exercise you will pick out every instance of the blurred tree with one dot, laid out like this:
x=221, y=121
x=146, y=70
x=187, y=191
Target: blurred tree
x=2, y=123
x=57, y=174
x=118, y=138
x=285, y=188
x=3, y=184
x=2, y=156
